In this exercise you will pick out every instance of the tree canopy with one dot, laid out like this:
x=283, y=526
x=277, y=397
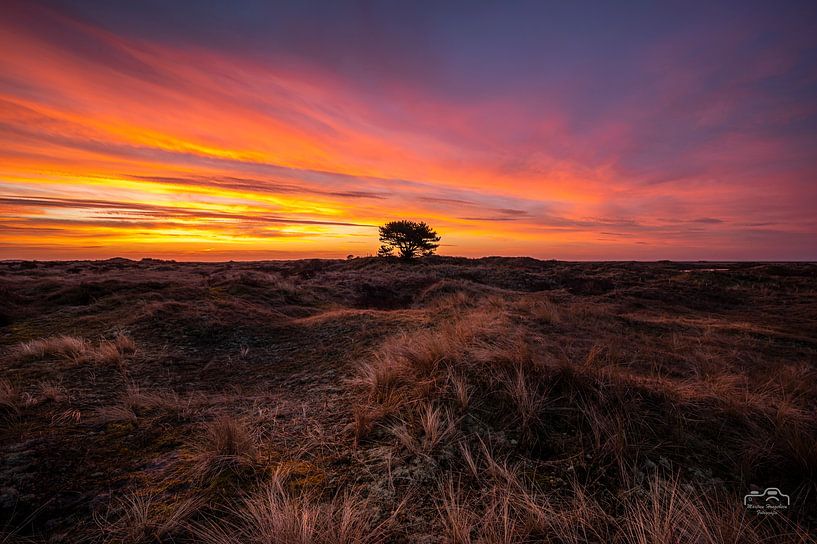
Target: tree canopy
x=409, y=238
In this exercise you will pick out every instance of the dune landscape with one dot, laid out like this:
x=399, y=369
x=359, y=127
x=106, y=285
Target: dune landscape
x=376, y=400
x=391, y=272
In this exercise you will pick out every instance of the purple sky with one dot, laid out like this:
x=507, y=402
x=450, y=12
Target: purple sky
x=569, y=130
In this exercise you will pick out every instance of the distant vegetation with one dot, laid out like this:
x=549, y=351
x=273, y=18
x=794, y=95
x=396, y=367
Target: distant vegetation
x=408, y=238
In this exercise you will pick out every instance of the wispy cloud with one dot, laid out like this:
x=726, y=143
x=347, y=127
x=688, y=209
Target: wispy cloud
x=662, y=133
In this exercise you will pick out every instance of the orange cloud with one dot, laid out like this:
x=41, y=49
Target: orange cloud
x=116, y=145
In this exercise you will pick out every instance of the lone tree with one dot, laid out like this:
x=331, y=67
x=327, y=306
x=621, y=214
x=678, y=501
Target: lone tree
x=409, y=238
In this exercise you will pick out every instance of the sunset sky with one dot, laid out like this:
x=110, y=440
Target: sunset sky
x=263, y=130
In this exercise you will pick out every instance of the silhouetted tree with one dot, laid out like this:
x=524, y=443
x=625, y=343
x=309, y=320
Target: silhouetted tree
x=409, y=238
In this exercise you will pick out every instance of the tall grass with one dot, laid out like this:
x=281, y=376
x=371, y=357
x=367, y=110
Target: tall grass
x=276, y=515
x=78, y=350
x=225, y=443
x=486, y=374
x=136, y=519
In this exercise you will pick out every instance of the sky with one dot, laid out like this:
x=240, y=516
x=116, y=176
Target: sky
x=270, y=130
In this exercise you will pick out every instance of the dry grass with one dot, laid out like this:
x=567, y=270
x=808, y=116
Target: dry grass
x=115, y=414
x=539, y=308
x=457, y=520
x=137, y=519
x=72, y=416
x=107, y=353
x=450, y=361
x=488, y=369
x=69, y=347
x=225, y=443
x=461, y=390
x=136, y=404
x=382, y=377
x=670, y=513
x=10, y=398
x=450, y=400
x=52, y=392
x=526, y=399
x=113, y=352
x=247, y=282
x=509, y=511
x=124, y=344
x=78, y=350
x=435, y=429
x=274, y=515
x=165, y=401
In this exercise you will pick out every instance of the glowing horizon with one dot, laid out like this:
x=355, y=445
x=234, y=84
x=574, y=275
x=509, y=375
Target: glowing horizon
x=288, y=132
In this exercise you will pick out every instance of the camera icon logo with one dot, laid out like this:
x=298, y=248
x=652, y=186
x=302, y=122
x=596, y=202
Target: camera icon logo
x=771, y=500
